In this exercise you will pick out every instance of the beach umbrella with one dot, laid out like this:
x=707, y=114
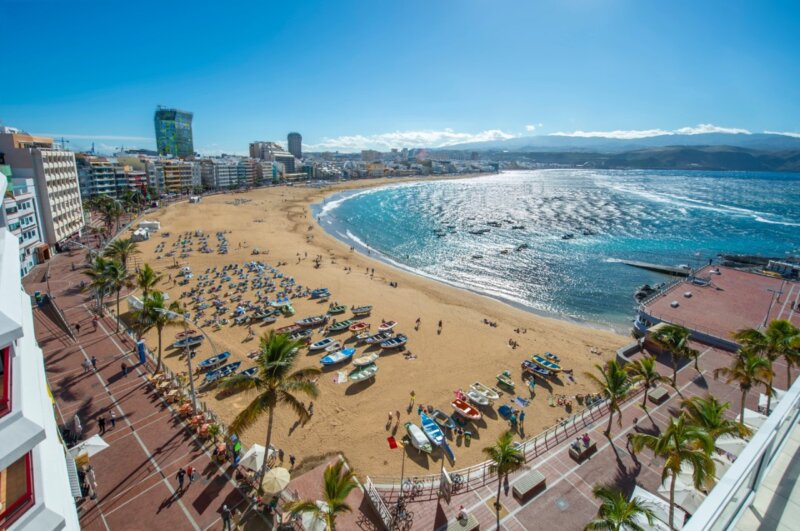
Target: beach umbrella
x=276, y=480
x=253, y=459
x=91, y=446
x=688, y=497
x=730, y=444
x=752, y=419
x=312, y=522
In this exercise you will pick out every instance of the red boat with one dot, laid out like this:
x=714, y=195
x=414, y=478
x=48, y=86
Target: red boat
x=465, y=410
x=288, y=329
x=359, y=327
x=186, y=334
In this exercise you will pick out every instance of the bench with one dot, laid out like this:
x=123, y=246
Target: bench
x=582, y=452
x=531, y=483
x=469, y=524
x=658, y=395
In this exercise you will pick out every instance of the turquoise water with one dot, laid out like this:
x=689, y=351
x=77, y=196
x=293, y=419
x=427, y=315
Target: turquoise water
x=663, y=217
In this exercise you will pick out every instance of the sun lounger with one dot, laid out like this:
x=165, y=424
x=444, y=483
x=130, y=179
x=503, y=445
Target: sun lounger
x=528, y=485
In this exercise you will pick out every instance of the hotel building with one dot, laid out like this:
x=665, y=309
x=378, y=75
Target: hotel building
x=174, y=132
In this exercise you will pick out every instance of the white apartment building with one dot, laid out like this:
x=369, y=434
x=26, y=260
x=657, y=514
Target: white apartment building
x=19, y=215
x=101, y=176
x=36, y=490
x=173, y=175
x=55, y=179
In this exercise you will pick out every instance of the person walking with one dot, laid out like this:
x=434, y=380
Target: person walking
x=113, y=420
x=291, y=460
x=94, y=363
x=311, y=409
x=77, y=428
x=87, y=365
x=180, y=477
x=77, y=329
x=192, y=473
x=94, y=321
x=101, y=423
x=124, y=368
x=226, y=518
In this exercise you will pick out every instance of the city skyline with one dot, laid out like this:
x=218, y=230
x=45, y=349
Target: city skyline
x=425, y=75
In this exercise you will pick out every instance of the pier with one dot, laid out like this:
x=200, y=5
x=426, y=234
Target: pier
x=669, y=270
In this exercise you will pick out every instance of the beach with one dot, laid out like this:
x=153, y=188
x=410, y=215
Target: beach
x=471, y=346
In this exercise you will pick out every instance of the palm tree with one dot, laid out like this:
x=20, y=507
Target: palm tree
x=117, y=278
x=644, y=370
x=617, y=513
x=277, y=383
x=681, y=442
x=748, y=370
x=614, y=383
x=147, y=279
x=506, y=458
x=98, y=280
x=709, y=413
x=337, y=482
x=122, y=249
x=776, y=342
x=673, y=339
x=154, y=313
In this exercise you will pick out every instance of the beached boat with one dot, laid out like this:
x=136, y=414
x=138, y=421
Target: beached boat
x=250, y=373
x=287, y=310
x=214, y=361
x=282, y=301
x=378, y=338
x=386, y=326
x=443, y=419
x=189, y=341
x=431, y=429
x=488, y=392
x=320, y=293
x=366, y=359
x=333, y=347
x=465, y=410
x=288, y=329
x=358, y=327
x=185, y=334
x=531, y=367
x=363, y=373
x=316, y=320
x=335, y=310
x=361, y=310
x=338, y=356
x=269, y=319
x=321, y=344
x=552, y=357
x=477, y=398
x=341, y=325
x=396, y=342
x=546, y=364
x=504, y=379
x=301, y=335
x=222, y=372
x=363, y=336
x=418, y=438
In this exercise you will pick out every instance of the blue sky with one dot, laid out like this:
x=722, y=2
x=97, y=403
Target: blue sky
x=379, y=74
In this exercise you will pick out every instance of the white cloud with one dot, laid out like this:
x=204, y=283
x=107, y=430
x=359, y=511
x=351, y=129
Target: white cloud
x=710, y=128
x=646, y=133
x=98, y=137
x=784, y=133
x=407, y=139
x=530, y=128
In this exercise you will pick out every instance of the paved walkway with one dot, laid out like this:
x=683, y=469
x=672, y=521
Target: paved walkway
x=136, y=474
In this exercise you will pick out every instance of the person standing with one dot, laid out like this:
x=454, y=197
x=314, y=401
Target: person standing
x=311, y=409
x=77, y=428
x=124, y=368
x=180, y=477
x=77, y=329
x=101, y=423
x=226, y=518
x=113, y=420
x=291, y=460
x=86, y=364
x=94, y=363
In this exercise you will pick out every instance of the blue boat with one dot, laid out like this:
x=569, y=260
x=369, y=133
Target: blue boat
x=320, y=293
x=443, y=419
x=190, y=341
x=531, y=367
x=210, y=363
x=222, y=372
x=251, y=372
x=432, y=430
x=396, y=342
x=338, y=357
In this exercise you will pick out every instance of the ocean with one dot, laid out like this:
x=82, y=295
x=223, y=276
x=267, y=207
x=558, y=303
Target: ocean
x=664, y=217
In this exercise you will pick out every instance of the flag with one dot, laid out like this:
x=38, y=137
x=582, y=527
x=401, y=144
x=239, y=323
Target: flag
x=394, y=443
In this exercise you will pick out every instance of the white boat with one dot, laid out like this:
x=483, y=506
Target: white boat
x=321, y=344
x=387, y=326
x=334, y=347
x=366, y=359
x=488, y=392
x=418, y=438
x=476, y=398
x=338, y=356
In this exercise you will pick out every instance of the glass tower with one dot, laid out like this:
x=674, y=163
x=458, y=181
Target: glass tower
x=174, y=132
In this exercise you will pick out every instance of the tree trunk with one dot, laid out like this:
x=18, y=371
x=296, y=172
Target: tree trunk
x=741, y=413
x=266, y=445
x=672, y=501
x=610, y=418
x=497, y=501
x=646, y=392
x=118, y=291
x=158, y=364
x=674, y=370
x=769, y=398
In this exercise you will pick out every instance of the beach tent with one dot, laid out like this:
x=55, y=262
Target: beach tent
x=253, y=459
x=688, y=497
x=91, y=446
x=752, y=419
x=777, y=394
x=660, y=508
x=730, y=444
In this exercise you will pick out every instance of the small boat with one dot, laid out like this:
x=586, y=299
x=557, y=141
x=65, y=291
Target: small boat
x=282, y=301
x=518, y=227
x=210, y=363
x=316, y=320
x=338, y=357
x=249, y=373
x=321, y=344
x=269, y=319
x=378, y=338
x=552, y=357
x=341, y=325
x=531, y=367
x=504, y=379
x=477, y=398
x=387, y=326
x=522, y=247
x=546, y=364
x=567, y=236
x=287, y=310
x=222, y=372
x=189, y=341
x=418, y=438
x=488, y=392
x=333, y=347
x=335, y=310
x=301, y=335
x=465, y=410
x=320, y=293
x=359, y=311
x=443, y=419
x=363, y=373
x=396, y=342
x=288, y=329
x=366, y=359
x=478, y=232
x=358, y=327
x=185, y=334
x=431, y=430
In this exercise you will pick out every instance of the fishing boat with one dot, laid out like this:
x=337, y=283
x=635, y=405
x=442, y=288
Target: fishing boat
x=316, y=320
x=320, y=293
x=378, y=338
x=341, y=325
x=335, y=310
x=338, y=356
x=222, y=372
x=287, y=310
x=443, y=419
x=365, y=359
x=282, y=301
x=321, y=344
x=333, y=347
x=418, y=438
x=301, y=335
x=396, y=342
x=431, y=430
x=269, y=319
x=552, y=357
x=363, y=373
x=189, y=341
x=288, y=329
x=214, y=361
x=477, y=398
x=359, y=311
x=465, y=410
x=386, y=326
x=531, y=367
x=546, y=364
x=185, y=334
x=504, y=379
x=358, y=327
x=363, y=336
x=488, y=392
x=249, y=373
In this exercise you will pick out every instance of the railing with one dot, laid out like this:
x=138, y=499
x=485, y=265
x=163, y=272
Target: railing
x=378, y=505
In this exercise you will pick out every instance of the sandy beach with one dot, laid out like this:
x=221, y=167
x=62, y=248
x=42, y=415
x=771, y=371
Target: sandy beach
x=352, y=418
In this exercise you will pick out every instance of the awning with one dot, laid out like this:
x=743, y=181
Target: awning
x=91, y=446
x=72, y=474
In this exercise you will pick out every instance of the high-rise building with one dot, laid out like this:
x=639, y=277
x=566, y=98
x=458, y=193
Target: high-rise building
x=35, y=482
x=55, y=181
x=19, y=214
x=295, y=142
x=174, y=132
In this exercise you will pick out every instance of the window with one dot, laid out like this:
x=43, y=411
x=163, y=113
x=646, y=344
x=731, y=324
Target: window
x=5, y=380
x=16, y=490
